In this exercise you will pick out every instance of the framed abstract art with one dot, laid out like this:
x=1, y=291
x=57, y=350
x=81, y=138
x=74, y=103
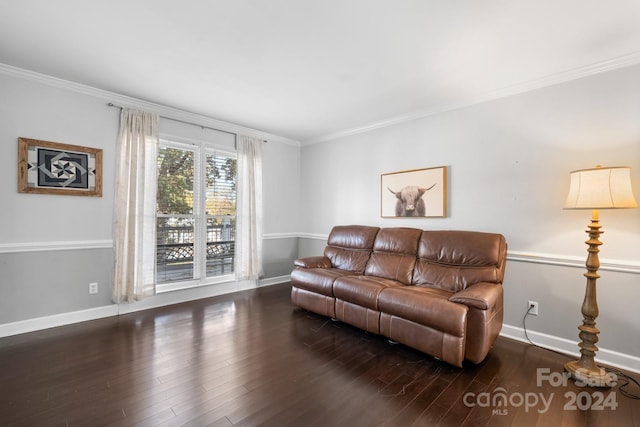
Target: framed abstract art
x=47, y=167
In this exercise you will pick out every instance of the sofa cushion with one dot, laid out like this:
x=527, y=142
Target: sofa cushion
x=397, y=240
x=453, y=260
x=394, y=254
x=362, y=290
x=425, y=306
x=349, y=246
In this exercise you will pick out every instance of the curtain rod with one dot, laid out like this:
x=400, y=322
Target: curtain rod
x=111, y=104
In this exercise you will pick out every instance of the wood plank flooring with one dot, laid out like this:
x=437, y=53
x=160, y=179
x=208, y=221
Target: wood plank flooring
x=253, y=359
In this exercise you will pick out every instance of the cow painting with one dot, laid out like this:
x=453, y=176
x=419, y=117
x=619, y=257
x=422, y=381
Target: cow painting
x=410, y=201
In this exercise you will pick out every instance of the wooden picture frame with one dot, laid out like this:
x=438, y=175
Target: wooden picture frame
x=417, y=193
x=46, y=167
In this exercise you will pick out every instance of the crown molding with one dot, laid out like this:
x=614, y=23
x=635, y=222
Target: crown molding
x=197, y=119
x=130, y=102
x=549, y=80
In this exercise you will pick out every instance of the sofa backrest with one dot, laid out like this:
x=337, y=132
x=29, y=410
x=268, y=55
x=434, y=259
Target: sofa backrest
x=452, y=260
x=349, y=246
x=394, y=254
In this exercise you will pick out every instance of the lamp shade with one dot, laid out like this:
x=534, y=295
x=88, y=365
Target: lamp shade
x=601, y=188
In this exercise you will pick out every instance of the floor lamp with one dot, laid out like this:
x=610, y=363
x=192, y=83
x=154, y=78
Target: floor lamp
x=596, y=188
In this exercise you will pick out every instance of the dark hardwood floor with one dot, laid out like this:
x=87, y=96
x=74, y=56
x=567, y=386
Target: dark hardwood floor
x=251, y=358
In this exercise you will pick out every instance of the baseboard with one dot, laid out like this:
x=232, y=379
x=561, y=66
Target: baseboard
x=562, y=345
x=274, y=280
x=55, y=320
x=159, y=300
x=565, y=346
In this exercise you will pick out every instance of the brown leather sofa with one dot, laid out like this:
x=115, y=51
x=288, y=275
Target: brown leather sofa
x=437, y=291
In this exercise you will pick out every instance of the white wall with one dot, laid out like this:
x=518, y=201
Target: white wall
x=42, y=112
x=37, y=277
x=52, y=247
x=508, y=164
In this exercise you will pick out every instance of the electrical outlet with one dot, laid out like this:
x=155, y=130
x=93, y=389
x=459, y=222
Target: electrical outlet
x=533, y=308
x=93, y=288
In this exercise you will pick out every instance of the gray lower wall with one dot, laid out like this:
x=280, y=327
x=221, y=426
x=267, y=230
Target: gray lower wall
x=278, y=256
x=39, y=284
x=37, y=281
x=49, y=283
x=507, y=163
x=559, y=291
x=311, y=247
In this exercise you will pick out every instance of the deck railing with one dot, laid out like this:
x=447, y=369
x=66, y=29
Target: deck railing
x=174, y=251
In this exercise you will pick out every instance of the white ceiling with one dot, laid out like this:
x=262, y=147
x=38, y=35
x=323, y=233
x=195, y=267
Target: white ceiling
x=310, y=69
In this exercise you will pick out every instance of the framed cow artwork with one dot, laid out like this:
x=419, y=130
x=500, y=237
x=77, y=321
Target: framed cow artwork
x=417, y=193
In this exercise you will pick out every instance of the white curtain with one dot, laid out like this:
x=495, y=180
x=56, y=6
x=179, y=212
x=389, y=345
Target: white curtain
x=249, y=209
x=134, y=231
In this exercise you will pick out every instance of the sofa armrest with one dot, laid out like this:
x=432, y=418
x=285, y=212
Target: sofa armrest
x=313, y=262
x=482, y=295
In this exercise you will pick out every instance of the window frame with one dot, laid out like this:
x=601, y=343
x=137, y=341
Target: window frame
x=201, y=150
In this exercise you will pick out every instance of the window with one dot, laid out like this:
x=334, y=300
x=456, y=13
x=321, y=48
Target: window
x=195, y=215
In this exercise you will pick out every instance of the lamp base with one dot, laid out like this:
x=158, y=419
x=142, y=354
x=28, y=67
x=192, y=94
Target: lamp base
x=593, y=377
